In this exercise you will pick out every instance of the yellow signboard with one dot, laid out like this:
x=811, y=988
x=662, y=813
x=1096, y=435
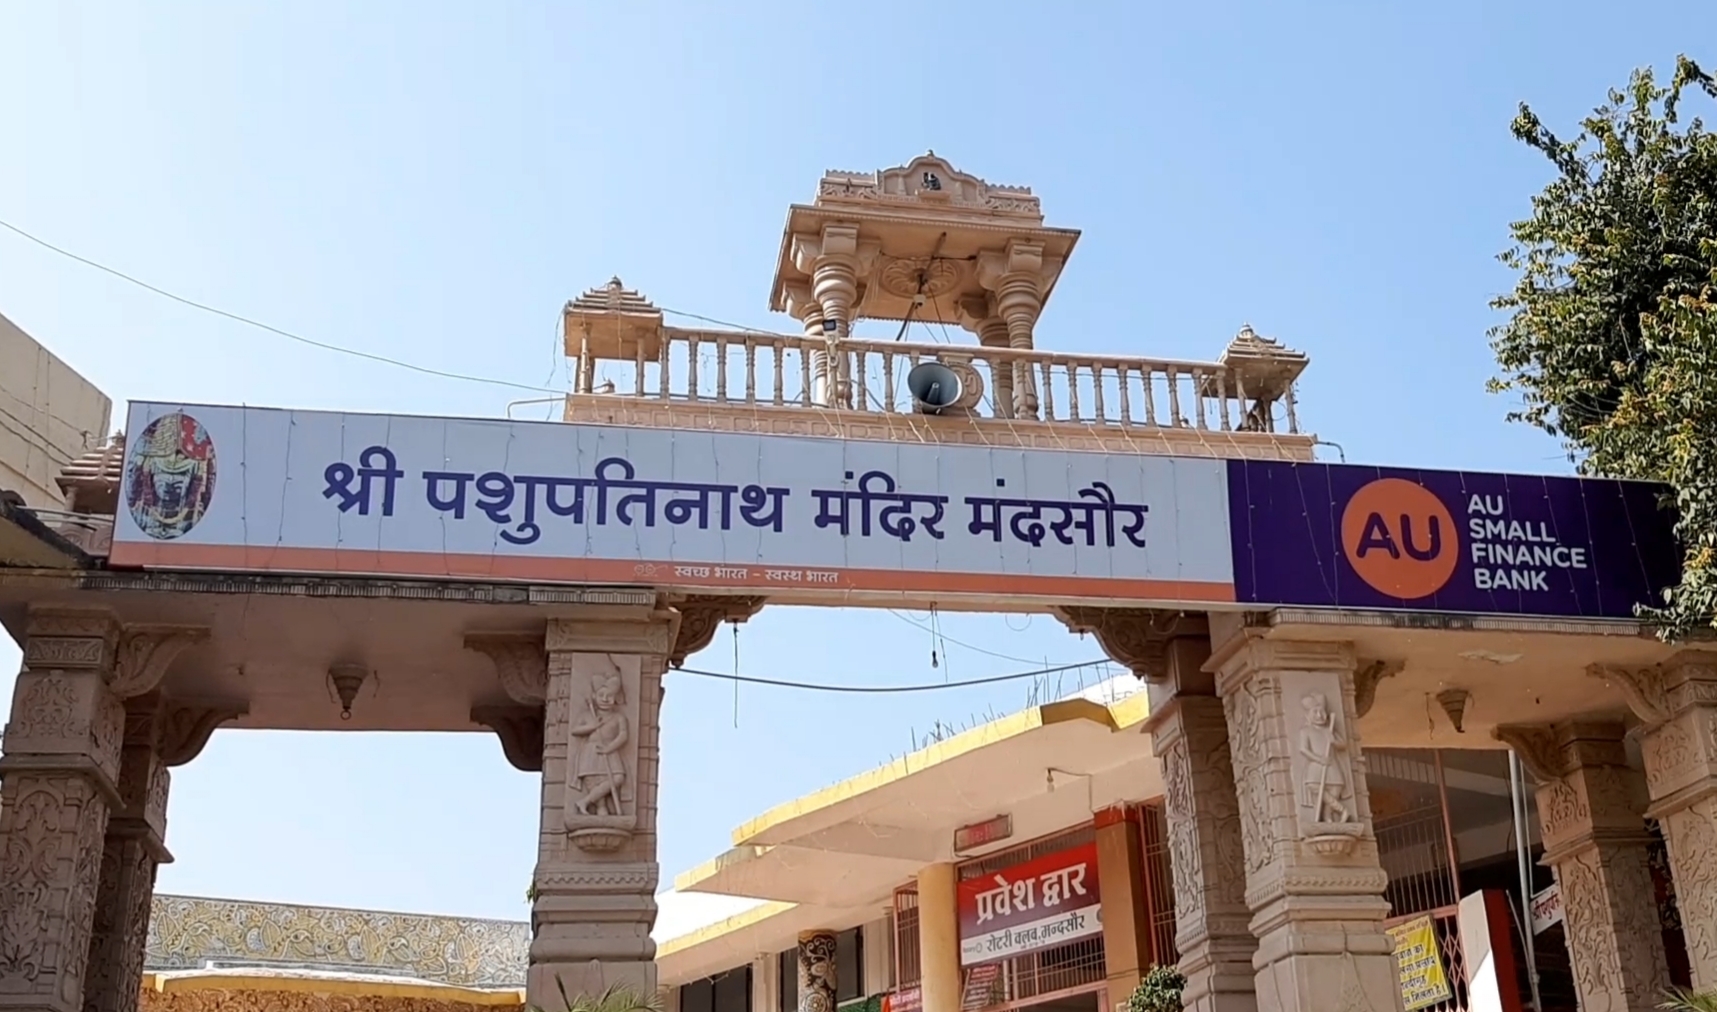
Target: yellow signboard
x=1423, y=981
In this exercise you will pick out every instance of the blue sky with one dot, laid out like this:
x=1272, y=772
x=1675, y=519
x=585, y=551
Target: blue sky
x=433, y=180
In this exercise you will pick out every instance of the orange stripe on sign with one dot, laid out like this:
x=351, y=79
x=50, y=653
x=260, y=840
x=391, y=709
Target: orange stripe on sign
x=366, y=562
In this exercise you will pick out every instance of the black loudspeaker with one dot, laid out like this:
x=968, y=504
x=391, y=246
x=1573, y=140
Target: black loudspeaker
x=933, y=386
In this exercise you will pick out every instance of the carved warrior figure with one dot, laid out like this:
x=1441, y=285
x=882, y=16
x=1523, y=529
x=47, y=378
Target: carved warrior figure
x=1324, y=789
x=598, y=768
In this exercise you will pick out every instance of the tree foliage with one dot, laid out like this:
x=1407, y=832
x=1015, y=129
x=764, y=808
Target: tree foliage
x=1159, y=991
x=1611, y=340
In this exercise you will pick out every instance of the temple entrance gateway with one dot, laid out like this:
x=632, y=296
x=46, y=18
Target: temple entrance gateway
x=245, y=567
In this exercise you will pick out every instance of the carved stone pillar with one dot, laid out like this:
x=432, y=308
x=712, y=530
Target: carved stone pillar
x=596, y=871
x=976, y=315
x=135, y=846
x=838, y=262
x=809, y=312
x=1189, y=735
x=61, y=773
x=1313, y=881
x=1589, y=815
x=817, y=971
x=1018, y=278
x=1678, y=703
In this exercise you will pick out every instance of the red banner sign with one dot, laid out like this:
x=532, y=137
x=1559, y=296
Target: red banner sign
x=1042, y=903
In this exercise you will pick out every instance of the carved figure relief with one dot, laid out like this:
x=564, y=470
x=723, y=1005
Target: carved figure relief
x=1324, y=763
x=596, y=770
x=603, y=740
x=1325, y=778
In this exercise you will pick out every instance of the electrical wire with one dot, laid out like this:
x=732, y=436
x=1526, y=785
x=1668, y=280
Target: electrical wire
x=945, y=638
x=247, y=321
x=889, y=689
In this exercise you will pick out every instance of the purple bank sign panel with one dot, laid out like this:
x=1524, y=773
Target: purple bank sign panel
x=216, y=487
x=1326, y=535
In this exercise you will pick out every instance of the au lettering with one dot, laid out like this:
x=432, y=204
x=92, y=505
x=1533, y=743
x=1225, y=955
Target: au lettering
x=1377, y=536
x=1491, y=504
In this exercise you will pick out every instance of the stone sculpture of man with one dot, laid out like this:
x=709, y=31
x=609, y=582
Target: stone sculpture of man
x=598, y=767
x=1324, y=746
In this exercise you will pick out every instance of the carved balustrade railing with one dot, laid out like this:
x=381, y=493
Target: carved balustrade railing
x=748, y=368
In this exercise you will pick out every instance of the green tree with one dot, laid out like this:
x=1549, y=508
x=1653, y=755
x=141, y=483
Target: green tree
x=1159, y=991
x=1611, y=340
x=1687, y=1001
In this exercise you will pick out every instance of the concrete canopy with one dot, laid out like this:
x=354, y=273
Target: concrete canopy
x=833, y=859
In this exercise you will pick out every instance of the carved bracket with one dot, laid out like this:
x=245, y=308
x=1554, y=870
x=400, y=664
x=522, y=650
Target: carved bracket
x=1643, y=688
x=1366, y=679
x=519, y=661
x=146, y=652
x=1136, y=637
x=520, y=729
x=187, y=727
x=701, y=615
x=1538, y=747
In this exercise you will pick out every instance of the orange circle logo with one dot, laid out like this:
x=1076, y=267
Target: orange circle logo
x=1400, y=538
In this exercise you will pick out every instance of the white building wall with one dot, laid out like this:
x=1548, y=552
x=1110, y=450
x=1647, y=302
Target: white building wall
x=48, y=415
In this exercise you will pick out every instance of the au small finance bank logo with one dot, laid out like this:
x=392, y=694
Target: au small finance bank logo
x=1400, y=538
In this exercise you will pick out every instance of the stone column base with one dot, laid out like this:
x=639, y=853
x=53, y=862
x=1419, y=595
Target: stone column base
x=545, y=982
x=1346, y=981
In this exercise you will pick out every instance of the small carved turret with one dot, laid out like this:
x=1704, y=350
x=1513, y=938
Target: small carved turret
x=611, y=322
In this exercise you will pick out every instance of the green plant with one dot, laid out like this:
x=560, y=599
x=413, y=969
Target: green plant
x=616, y=998
x=1158, y=992
x=1688, y=1001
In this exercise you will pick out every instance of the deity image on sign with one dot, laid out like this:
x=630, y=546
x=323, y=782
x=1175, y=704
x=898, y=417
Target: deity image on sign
x=170, y=476
x=1324, y=788
x=598, y=770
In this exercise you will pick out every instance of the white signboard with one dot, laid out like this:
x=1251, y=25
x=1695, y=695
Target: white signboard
x=322, y=492
x=1546, y=909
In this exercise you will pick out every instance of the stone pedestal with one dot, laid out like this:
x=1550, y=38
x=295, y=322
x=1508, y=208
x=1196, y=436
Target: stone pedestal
x=1189, y=734
x=1590, y=817
x=61, y=773
x=1678, y=703
x=1313, y=881
x=596, y=870
x=817, y=971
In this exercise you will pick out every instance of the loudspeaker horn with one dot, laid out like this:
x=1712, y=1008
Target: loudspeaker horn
x=933, y=386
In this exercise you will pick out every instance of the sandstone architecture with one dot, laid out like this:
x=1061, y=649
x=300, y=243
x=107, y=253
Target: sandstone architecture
x=1292, y=620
